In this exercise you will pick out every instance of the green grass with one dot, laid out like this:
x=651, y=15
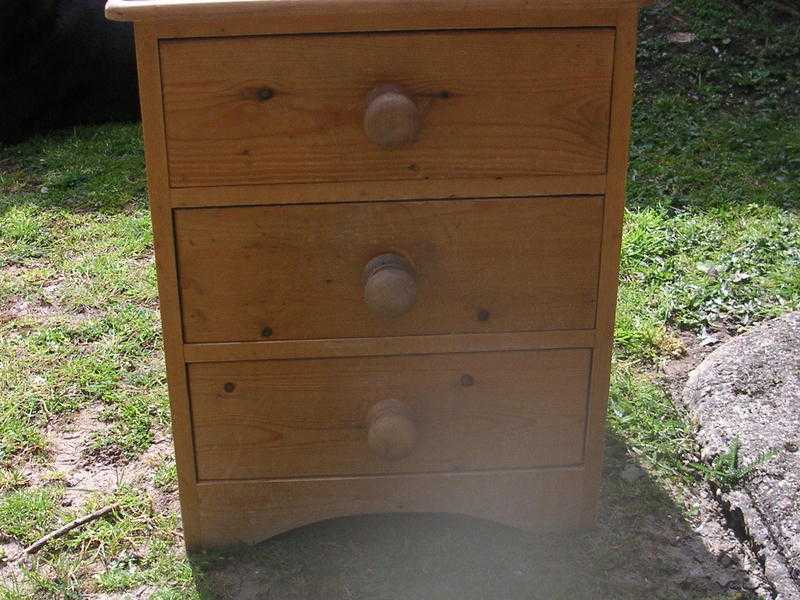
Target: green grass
x=166, y=476
x=745, y=55
x=711, y=242
x=75, y=254
x=712, y=225
x=27, y=514
x=81, y=329
x=642, y=414
x=135, y=546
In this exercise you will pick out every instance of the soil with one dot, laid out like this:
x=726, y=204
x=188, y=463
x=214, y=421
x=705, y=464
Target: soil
x=72, y=462
x=645, y=546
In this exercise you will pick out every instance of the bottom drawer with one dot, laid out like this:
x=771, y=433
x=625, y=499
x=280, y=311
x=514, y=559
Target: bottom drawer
x=397, y=414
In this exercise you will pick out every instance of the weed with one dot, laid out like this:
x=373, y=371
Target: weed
x=166, y=476
x=725, y=471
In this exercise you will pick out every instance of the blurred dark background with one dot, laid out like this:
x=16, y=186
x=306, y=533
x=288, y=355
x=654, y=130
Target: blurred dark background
x=62, y=64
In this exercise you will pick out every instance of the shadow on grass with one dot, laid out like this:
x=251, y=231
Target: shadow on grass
x=642, y=548
x=97, y=168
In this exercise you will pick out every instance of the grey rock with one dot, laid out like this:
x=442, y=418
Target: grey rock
x=687, y=37
x=749, y=388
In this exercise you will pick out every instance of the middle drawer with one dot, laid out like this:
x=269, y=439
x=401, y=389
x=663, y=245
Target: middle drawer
x=468, y=266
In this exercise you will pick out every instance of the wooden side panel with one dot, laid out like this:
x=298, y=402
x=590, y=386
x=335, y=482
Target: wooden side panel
x=494, y=103
x=158, y=192
x=305, y=418
x=624, y=69
x=530, y=264
x=248, y=512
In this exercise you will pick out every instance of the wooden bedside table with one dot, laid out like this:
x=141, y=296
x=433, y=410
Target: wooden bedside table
x=387, y=236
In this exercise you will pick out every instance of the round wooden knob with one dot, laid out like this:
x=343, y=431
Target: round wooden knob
x=392, y=433
x=392, y=118
x=390, y=285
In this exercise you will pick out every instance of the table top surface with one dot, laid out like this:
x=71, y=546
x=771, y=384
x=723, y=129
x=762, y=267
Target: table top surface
x=156, y=10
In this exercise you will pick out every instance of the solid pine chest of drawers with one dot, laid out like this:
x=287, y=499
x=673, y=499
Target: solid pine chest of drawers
x=387, y=237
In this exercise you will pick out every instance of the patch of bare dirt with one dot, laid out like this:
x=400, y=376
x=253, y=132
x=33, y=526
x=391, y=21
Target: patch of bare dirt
x=18, y=308
x=164, y=501
x=68, y=441
x=9, y=549
x=141, y=592
x=675, y=373
x=44, y=305
x=73, y=462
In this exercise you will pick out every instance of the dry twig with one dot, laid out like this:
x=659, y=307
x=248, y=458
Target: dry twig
x=37, y=545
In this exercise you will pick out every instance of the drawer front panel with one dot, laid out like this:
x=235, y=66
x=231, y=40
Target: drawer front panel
x=283, y=109
x=477, y=411
x=297, y=272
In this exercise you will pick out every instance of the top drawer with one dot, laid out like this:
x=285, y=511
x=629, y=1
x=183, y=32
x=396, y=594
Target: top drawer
x=286, y=108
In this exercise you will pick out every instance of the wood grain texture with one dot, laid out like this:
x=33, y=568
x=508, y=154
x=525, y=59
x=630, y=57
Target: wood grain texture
x=308, y=418
x=393, y=16
x=481, y=266
x=275, y=122
x=309, y=15
x=624, y=70
x=493, y=104
x=368, y=191
x=541, y=500
x=388, y=346
x=169, y=301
